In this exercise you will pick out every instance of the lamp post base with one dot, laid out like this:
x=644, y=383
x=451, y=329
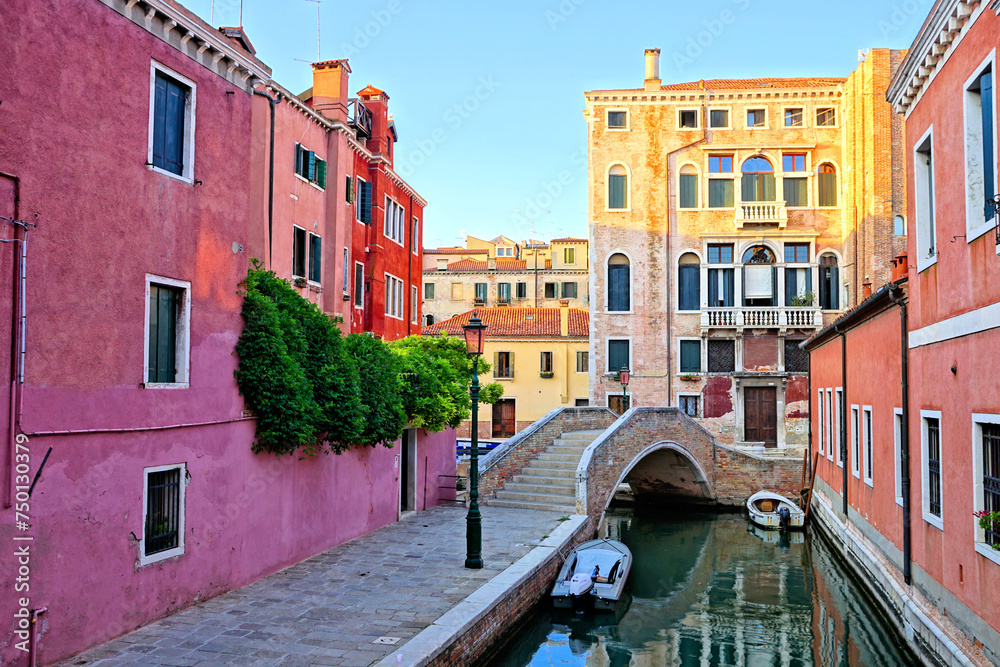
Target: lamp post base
x=474, y=563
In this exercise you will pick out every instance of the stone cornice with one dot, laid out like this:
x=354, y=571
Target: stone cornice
x=637, y=97
x=187, y=33
x=944, y=26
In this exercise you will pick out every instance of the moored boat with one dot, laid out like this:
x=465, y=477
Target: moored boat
x=773, y=511
x=594, y=575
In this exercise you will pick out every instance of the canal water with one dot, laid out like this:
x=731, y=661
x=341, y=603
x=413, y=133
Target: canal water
x=707, y=589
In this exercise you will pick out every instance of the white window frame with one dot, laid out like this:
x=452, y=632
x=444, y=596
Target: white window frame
x=937, y=522
x=922, y=183
x=394, y=290
x=359, y=296
x=628, y=398
x=697, y=119
x=897, y=426
x=393, y=221
x=415, y=234
x=414, y=304
x=461, y=290
x=347, y=271
x=821, y=423
x=587, y=365
x=179, y=549
x=628, y=188
x=729, y=117
x=867, y=427
x=433, y=295
x=836, y=117
x=855, y=442
x=701, y=356
x=607, y=352
x=978, y=419
x=835, y=427
x=305, y=250
x=541, y=360
x=607, y=285
x=690, y=394
x=190, y=116
x=309, y=238
x=746, y=120
x=628, y=120
x=182, y=337
x=805, y=117
x=357, y=198
x=975, y=197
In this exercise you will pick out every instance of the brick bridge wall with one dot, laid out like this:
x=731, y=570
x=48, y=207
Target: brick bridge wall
x=509, y=458
x=732, y=475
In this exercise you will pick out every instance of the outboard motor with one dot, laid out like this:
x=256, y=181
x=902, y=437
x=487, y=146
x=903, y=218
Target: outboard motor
x=784, y=517
x=579, y=588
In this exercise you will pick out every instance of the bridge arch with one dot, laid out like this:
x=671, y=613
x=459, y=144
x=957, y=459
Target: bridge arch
x=666, y=468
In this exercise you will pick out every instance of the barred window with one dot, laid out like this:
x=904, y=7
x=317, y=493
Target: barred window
x=796, y=359
x=688, y=405
x=721, y=356
x=163, y=523
x=933, y=465
x=991, y=476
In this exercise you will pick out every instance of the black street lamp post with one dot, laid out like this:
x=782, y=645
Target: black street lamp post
x=623, y=378
x=474, y=521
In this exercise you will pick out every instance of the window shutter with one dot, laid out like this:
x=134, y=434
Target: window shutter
x=151, y=371
x=496, y=365
x=729, y=286
x=350, y=190
x=750, y=187
x=298, y=159
x=986, y=97
x=834, y=288
x=366, y=203
x=688, y=290
x=321, y=177
x=166, y=331
x=618, y=287
x=689, y=191
x=690, y=356
x=774, y=286
x=510, y=364
x=791, y=286
x=174, y=139
x=312, y=166
x=159, y=122
x=769, y=192
x=713, y=288
x=315, y=258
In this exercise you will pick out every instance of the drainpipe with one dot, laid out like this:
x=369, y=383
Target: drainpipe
x=904, y=430
x=14, y=346
x=409, y=272
x=33, y=636
x=809, y=435
x=843, y=413
x=270, y=178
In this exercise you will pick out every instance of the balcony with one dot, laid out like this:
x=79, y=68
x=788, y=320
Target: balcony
x=761, y=318
x=761, y=213
x=360, y=118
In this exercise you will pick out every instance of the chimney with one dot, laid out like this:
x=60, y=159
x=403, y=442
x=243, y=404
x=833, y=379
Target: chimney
x=329, y=92
x=900, y=266
x=491, y=263
x=867, y=284
x=442, y=263
x=653, y=69
x=564, y=317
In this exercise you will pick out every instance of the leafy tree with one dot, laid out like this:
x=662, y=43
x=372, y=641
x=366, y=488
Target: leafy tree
x=381, y=389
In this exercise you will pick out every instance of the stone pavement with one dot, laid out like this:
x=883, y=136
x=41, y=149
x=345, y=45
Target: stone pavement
x=333, y=608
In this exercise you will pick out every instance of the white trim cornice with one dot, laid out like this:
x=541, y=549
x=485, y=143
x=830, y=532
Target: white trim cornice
x=974, y=321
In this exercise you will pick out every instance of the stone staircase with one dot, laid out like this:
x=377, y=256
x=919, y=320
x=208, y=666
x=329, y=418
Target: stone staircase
x=548, y=482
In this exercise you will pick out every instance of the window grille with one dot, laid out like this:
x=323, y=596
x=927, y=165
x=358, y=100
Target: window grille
x=991, y=476
x=163, y=510
x=721, y=356
x=934, y=466
x=796, y=359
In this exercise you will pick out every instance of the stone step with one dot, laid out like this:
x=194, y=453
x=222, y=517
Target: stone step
x=536, y=471
x=555, y=456
x=566, y=481
x=531, y=505
x=556, y=446
x=521, y=487
x=553, y=498
x=554, y=465
x=588, y=436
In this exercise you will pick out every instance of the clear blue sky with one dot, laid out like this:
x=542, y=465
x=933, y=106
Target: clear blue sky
x=487, y=97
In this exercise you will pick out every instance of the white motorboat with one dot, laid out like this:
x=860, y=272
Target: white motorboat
x=594, y=575
x=773, y=511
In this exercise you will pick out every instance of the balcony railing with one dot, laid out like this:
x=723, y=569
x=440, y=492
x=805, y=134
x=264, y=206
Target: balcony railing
x=761, y=213
x=360, y=118
x=762, y=318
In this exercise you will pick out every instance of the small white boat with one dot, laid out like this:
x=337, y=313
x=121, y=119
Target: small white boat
x=594, y=575
x=773, y=511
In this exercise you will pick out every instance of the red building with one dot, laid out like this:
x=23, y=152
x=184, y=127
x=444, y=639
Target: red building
x=344, y=227
x=906, y=408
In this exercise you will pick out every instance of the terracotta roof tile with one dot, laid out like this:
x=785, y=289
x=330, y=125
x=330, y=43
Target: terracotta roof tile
x=370, y=91
x=482, y=265
x=455, y=251
x=569, y=239
x=744, y=84
x=509, y=322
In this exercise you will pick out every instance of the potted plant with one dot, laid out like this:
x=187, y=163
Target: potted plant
x=989, y=521
x=300, y=282
x=688, y=377
x=803, y=299
x=546, y=374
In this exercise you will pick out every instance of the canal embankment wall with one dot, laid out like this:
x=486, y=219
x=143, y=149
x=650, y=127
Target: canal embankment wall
x=471, y=628
x=915, y=611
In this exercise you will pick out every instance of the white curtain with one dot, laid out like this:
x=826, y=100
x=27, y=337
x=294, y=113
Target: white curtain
x=758, y=281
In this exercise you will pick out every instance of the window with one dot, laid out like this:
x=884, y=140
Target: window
x=617, y=120
x=687, y=119
x=394, y=220
x=855, y=453
x=796, y=188
x=349, y=190
x=833, y=428
x=551, y=290
x=720, y=164
x=720, y=190
x=315, y=258
x=545, y=362
x=415, y=234
x=690, y=356
x=581, y=402
x=837, y=426
x=310, y=167
x=619, y=285
x=721, y=355
x=569, y=255
x=298, y=252
x=583, y=362
x=521, y=290
x=756, y=118
x=827, y=179
x=617, y=188
x=821, y=423
x=456, y=291
x=796, y=253
x=363, y=212
x=569, y=290
x=980, y=158
x=899, y=225
x=826, y=117
x=428, y=291
x=481, y=292
x=986, y=478
x=393, y=297
x=346, y=289
x=414, y=304
x=171, y=123
x=866, y=442
x=829, y=282
x=689, y=282
x=796, y=359
x=163, y=513
x=758, y=180
x=688, y=186
x=760, y=277
x=923, y=186
x=718, y=118
x=688, y=405
x=798, y=280
x=930, y=450
x=503, y=292
x=359, y=284
x=897, y=446
x=503, y=365
x=428, y=320
x=793, y=117
x=618, y=403
x=618, y=355
x=168, y=317
x=721, y=282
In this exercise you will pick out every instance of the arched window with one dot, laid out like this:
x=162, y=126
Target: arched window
x=689, y=282
x=899, y=226
x=760, y=277
x=827, y=185
x=688, y=187
x=428, y=320
x=829, y=282
x=618, y=284
x=617, y=187
x=758, y=180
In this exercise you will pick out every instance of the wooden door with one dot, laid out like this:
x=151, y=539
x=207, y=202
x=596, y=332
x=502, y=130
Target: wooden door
x=760, y=415
x=504, y=424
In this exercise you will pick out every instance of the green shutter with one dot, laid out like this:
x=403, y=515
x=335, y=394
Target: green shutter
x=311, y=165
x=162, y=334
x=690, y=356
x=321, y=176
x=689, y=191
x=350, y=190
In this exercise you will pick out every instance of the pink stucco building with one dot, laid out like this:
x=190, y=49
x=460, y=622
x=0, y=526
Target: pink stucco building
x=132, y=142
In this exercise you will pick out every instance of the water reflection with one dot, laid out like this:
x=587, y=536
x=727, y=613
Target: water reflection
x=705, y=590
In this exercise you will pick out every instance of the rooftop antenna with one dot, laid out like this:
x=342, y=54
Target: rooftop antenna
x=317, y=26
x=212, y=16
x=241, y=13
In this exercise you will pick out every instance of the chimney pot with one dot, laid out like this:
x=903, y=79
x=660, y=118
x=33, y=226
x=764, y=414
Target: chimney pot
x=867, y=284
x=653, y=69
x=491, y=263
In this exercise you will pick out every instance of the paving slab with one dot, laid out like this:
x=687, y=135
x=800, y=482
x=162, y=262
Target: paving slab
x=318, y=612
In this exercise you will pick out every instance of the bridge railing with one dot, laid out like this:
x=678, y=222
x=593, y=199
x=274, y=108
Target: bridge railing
x=511, y=456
